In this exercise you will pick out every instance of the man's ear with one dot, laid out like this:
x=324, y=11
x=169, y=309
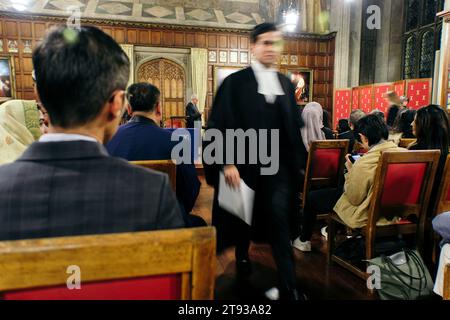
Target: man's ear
x=115, y=105
x=158, y=108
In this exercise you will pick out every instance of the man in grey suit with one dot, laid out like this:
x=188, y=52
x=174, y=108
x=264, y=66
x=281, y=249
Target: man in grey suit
x=66, y=184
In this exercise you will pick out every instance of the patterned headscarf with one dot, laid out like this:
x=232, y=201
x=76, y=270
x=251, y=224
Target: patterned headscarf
x=19, y=127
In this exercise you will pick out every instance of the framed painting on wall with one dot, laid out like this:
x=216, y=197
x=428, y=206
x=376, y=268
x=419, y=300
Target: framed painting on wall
x=302, y=79
x=7, y=79
x=220, y=73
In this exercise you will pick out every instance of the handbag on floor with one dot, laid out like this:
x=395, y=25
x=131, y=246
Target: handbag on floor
x=403, y=276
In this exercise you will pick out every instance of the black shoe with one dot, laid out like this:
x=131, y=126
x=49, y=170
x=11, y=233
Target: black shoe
x=243, y=267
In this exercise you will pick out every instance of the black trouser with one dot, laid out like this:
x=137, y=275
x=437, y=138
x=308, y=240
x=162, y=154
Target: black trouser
x=320, y=201
x=275, y=199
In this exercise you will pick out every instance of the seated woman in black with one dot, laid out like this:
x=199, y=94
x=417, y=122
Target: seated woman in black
x=431, y=128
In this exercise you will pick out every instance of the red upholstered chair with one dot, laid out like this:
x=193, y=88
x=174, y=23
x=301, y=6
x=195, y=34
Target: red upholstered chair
x=442, y=205
x=325, y=166
x=403, y=183
x=157, y=265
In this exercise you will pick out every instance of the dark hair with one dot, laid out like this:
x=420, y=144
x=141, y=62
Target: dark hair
x=405, y=123
x=374, y=128
x=343, y=126
x=261, y=29
x=432, y=128
x=326, y=119
x=143, y=97
x=76, y=73
x=379, y=114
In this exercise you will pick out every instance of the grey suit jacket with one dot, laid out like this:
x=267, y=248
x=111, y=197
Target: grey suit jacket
x=74, y=188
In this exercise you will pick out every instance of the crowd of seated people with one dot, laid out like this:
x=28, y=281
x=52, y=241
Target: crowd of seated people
x=56, y=162
x=351, y=202
x=143, y=139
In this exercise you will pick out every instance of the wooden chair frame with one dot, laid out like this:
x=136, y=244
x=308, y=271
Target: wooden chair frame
x=310, y=182
x=165, y=166
x=28, y=264
x=405, y=143
x=442, y=205
x=375, y=210
x=447, y=282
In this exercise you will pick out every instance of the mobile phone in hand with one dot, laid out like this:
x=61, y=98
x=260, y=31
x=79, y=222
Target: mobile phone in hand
x=354, y=158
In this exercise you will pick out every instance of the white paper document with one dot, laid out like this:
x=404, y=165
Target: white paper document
x=239, y=201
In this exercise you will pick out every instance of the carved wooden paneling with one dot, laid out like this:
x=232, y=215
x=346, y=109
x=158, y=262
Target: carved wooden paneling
x=212, y=41
x=190, y=39
x=200, y=40
x=179, y=39
x=156, y=38
x=39, y=30
x=26, y=30
x=131, y=36
x=169, y=77
x=168, y=38
x=244, y=42
x=144, y=37
x=223, y=42
x=119, y=35
x=11, y=28
x=233, y=42
x=316, y=54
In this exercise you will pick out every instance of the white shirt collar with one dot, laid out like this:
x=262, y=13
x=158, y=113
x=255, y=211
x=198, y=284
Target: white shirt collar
x=268, y=82
x=60, y=137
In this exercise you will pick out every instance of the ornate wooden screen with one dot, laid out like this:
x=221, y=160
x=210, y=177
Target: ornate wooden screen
x=169, y=77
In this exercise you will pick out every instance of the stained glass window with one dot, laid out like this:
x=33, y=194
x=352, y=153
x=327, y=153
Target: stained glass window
x=412, y=14
x=410, y=57
x=429, y=12
x=426, y=55
x=422, y=37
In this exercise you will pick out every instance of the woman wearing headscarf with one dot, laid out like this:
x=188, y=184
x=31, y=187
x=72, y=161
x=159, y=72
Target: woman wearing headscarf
x=312, y=116
x=19, y=127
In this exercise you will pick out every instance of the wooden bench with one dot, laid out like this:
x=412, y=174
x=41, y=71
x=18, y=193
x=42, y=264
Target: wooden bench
x=164, y=166
x=156, y=265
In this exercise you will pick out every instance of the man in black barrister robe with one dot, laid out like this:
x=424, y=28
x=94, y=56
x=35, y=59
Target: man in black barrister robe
x=259, y=97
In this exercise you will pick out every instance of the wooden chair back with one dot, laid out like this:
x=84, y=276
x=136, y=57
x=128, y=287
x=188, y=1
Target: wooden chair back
x=403, y=185
x=447, y=282
x=443, y=197
x=165, y=166
x=325, y=166
x=405, y=143
x=155, y=265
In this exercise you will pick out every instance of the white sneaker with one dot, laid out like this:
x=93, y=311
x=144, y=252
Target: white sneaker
x=273, y=294
x=302, y=246
x=324, y=232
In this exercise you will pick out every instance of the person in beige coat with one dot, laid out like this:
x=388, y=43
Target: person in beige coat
x=353, y=206
x=351, y=201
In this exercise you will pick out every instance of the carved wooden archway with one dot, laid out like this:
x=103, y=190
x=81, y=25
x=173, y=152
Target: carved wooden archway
x=169, y=77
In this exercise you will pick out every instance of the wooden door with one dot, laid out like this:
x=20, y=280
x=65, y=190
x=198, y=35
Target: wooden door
x=169, y=77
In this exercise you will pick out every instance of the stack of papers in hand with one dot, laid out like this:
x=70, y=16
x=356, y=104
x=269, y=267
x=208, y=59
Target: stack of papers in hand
x=239, y=201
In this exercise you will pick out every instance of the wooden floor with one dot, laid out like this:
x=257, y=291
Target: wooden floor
x=314, y=277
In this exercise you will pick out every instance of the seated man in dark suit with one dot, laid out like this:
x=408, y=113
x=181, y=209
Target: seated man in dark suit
x=66, y=184
x=142, y=139
x=192, y=113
